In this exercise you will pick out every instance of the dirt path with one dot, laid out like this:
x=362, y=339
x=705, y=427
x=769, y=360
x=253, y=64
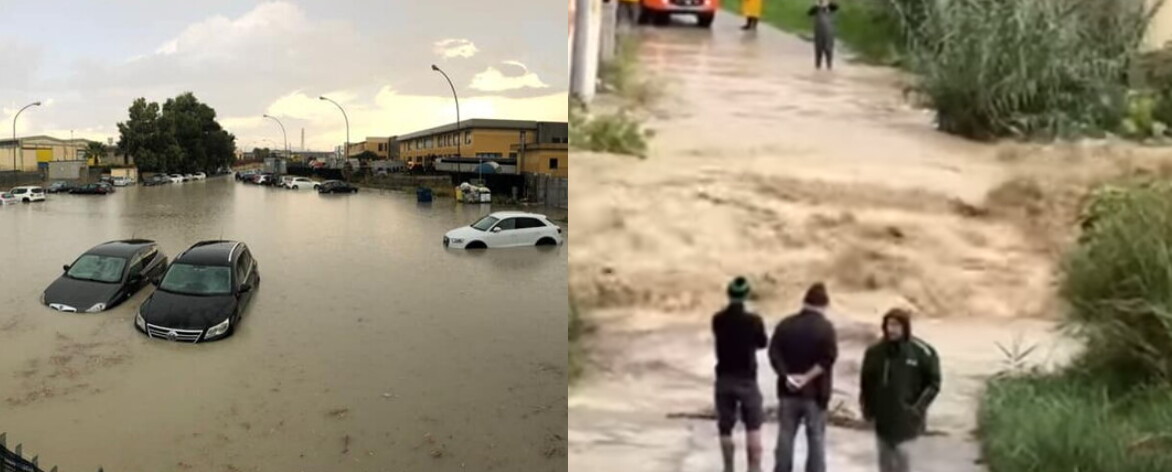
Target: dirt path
x=763, y=167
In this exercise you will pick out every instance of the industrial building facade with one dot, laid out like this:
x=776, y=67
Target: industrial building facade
x=34, y=153
x=545, y=149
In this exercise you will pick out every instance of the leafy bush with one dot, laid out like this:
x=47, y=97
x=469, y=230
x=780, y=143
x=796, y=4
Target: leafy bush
x=995, y=68
x=619, y=133
x=1118, y=282
x=1069, y=422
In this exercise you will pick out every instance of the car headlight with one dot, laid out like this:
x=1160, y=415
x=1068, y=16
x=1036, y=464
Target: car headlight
x=96, y=308
x=456, y=241
x=218, y=330
x=138, y=321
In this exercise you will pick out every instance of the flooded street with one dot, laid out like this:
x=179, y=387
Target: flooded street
x=762, y=166
x=369, y=347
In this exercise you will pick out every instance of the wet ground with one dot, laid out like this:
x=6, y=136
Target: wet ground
x=368, y=346
x=764, y=167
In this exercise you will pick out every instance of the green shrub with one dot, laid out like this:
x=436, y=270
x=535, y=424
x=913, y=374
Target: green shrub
x=1118, y=282
x=619, y=133
x=1070, y=422
x=994, y=68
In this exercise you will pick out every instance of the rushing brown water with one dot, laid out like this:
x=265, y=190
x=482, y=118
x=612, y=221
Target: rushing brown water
x=368, y=346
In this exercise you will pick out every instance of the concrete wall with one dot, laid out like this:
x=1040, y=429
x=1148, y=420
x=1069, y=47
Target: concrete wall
x=67, y=170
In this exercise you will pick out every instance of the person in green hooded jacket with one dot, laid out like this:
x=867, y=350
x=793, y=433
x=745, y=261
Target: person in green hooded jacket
x=899, y=380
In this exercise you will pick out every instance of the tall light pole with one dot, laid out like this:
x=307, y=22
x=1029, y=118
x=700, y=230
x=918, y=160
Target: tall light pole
x=282, y=134
x=459, y=134
x=345, y=150
x=15, y=144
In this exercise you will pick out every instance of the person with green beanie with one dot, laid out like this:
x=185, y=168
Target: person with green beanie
x=899, y=379
x=739, y=335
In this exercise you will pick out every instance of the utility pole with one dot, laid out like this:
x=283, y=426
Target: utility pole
x=582, y=71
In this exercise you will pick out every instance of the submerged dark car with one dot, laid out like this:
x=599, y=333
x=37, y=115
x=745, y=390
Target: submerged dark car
x=59, y=186
x=92, y=189
x=336, y=186
x=157, y=179
x=105, y=276
x=203, y=295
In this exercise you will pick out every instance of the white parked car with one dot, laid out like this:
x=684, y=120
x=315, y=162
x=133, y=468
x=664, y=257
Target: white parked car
x=298, y=183
x=200, y=176
x=7, y=198
x=121, y=181
x=188, y=177
x=28, y=194
x=505, y=229
x=176, y=178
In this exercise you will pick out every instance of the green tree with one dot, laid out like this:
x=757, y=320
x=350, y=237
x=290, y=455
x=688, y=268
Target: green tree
x=180, y=136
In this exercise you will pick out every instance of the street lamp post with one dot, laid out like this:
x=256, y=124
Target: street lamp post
x=15, y=144
x=286, y=137
x=459, y=134
x=345, y=150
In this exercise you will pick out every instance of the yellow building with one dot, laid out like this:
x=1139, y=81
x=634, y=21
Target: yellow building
x=37, y=151
x=492, y=140
x=383, y=147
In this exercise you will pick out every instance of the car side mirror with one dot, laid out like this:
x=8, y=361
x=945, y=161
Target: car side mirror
x=155, y=281
x=497, y=229
x=245, y=288
x=65, y=267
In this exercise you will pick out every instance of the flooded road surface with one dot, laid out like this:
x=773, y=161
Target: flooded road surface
x=762, y=166
x=368, y=347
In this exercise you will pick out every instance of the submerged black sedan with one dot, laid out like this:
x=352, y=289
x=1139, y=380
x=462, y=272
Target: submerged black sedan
x=105, y=276
x=203, y=295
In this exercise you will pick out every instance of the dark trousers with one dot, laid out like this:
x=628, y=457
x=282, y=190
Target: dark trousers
x=823, y=52
x=628, y=12
x=792, y=412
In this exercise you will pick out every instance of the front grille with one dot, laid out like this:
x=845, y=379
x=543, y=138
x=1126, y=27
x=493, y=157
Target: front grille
x=184, y=335
x=688, y=3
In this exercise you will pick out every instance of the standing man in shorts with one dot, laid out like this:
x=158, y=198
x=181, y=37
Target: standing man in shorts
x=739, y=335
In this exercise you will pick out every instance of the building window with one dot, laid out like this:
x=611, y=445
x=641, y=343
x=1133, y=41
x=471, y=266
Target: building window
x=467, y=137
x=382, y=147
x=553, y=164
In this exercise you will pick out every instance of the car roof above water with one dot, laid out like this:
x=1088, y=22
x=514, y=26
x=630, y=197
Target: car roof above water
x=514, y=214
x=215, y=253
x=120, y=248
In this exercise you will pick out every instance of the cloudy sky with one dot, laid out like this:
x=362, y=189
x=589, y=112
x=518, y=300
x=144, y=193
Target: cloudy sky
x=88, y=60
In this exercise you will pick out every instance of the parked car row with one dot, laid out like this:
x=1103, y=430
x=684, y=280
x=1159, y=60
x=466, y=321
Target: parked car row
x=200, y=296
x=293, y=182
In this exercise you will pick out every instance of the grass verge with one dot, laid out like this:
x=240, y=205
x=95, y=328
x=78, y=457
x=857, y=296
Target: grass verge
x=1072, y=422
x=861, y=25
x=620, y=131
x=1110, y=410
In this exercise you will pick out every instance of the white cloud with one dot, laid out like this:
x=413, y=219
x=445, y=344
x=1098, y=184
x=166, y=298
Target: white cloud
x=493, y=80
x=449, y=48
x=387, y=113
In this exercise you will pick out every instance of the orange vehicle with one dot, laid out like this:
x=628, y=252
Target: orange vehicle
x=660, y=11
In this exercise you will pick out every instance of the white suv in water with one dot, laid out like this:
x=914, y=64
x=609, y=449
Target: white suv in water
x=505, y=229
x=29, y=194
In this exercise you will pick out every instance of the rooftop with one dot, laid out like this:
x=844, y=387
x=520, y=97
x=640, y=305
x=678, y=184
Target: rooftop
x=475, y=123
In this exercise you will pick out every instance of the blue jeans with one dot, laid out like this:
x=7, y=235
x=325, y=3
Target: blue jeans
x=792, y=412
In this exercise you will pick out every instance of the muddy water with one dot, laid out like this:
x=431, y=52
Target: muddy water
x=368, y=347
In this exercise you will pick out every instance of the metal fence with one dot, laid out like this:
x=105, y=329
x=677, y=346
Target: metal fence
x=16, y=179
x=548, y=190
x=14, y=461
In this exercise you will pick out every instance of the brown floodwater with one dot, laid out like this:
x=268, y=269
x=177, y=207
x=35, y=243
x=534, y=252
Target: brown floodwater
x=369, y=347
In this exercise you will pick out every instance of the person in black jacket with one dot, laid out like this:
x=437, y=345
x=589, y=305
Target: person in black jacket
x=900, y=378
x=802, y=352
x=739, y=335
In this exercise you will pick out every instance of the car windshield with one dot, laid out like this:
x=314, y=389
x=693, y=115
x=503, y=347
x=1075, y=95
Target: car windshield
x=485, y=223
x=105, y=269
x=198, y=280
